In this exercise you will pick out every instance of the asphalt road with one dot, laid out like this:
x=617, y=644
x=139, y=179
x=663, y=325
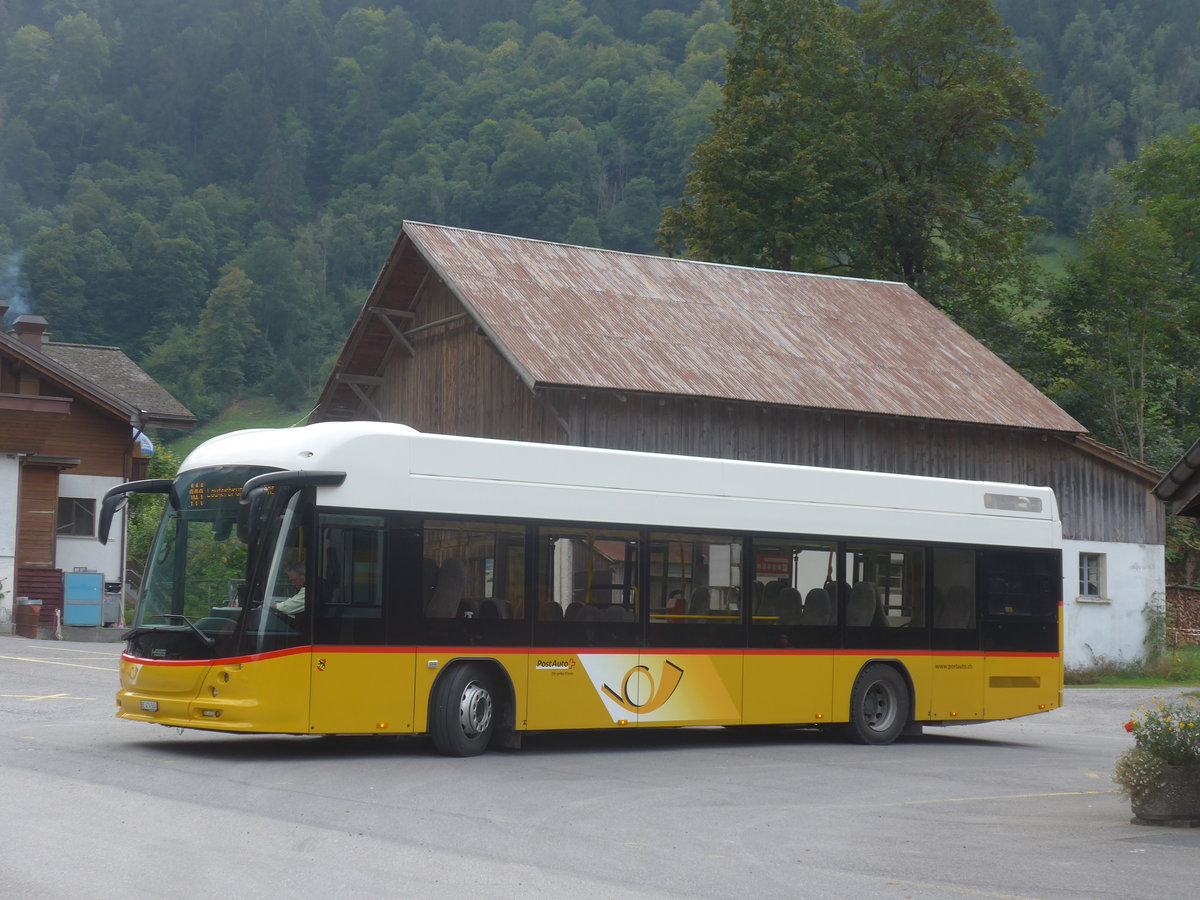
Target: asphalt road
x=95, y=807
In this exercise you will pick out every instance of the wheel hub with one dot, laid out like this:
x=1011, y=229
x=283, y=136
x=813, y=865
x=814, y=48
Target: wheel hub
x=475, y=709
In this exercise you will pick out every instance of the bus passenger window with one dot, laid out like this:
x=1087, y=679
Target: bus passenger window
x=473, y=570
x=695, y=579
x=887, y=587
x=794, y=583
x=954, y=588
x=588, y=575
x=1020, y=583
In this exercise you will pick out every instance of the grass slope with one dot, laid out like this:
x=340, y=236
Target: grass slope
x=252, y=412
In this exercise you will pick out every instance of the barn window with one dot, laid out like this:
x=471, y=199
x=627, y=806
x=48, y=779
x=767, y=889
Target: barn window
x=1091, y=575
x=76, y=516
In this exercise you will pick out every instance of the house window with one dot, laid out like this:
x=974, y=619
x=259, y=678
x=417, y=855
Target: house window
x=1091, y=575
x=76, y=517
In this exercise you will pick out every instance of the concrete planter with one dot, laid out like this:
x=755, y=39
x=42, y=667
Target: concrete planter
x=1175, y=802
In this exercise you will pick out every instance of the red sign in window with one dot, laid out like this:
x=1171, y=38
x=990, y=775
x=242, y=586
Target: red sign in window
x=772, y=565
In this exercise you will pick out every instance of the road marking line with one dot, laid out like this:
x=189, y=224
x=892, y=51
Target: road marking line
x=1006, y=797
x=50, y=645
x=955, y=889
x=55, y=662
x=31, y=697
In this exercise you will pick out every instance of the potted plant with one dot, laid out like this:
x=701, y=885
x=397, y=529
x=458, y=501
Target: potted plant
x=1161, y=771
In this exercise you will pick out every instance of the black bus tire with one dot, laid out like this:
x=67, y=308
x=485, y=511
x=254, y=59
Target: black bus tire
x=879, y=705
x=464, y=711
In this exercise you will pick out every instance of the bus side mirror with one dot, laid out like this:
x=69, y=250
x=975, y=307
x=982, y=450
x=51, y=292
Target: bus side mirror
x=249, y=510
x=257, y=488
x=116, y=496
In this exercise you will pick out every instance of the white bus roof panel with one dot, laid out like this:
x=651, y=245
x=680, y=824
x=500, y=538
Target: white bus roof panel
x=394, y=467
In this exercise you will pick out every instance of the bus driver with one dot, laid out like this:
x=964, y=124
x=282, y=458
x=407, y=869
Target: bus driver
x=295, y=603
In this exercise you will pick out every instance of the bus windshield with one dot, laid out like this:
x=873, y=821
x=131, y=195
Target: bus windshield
x=196, y=571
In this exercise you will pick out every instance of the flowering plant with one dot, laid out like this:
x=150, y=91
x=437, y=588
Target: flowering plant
x=1165, y=734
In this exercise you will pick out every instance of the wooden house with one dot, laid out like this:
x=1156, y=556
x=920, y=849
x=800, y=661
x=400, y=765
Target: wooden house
x=72, y=422
x=494, y=336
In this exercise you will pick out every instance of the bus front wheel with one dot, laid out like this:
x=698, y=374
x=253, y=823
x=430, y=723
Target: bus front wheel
x=463, y=714
x=879, y=706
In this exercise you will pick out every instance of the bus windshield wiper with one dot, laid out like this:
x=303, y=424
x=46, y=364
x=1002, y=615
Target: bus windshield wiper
x=205, y=639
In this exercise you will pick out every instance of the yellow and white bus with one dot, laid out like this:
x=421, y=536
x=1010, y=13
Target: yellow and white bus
x=352, y=578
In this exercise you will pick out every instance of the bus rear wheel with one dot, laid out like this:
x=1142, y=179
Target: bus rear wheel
x=463, y=714
x=879, y=706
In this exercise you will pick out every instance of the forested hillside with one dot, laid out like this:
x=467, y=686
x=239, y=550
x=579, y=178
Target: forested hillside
x=1121, y=72
x=214, y=186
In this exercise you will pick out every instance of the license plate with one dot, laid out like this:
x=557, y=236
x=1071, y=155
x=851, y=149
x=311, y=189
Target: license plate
x=149, y=706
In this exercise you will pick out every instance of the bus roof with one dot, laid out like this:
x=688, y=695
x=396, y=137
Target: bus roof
x=394, y=467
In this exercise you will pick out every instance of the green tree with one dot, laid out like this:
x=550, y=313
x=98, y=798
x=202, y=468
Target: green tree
x=1130, y=308
x=770, y=181
x=174, y=362
x=279, y=182
x=1163, y=180
x=27, y=65
x=883, y=143
x=226, y=331
x=52, y=267
x=1122, y=314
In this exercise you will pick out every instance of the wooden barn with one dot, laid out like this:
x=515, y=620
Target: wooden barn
x=72, y=418
x=488, y=335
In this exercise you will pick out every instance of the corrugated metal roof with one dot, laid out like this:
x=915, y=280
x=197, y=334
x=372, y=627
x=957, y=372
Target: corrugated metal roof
x=578, y=316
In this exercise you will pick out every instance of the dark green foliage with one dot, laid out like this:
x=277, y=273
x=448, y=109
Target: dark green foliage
x=214, y=186
x=1122, y=73
x=1129, y=308
x=883, y=143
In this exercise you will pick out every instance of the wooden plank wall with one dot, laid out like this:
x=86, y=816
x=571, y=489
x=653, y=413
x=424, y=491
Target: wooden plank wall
x=1097, y=500
x=102, y=442
x=38, y=514
x=457, y=383
x=45, y=585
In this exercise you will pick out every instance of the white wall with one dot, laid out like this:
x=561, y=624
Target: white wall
x=88, y=552
x=10, y=477
x=1112, y=627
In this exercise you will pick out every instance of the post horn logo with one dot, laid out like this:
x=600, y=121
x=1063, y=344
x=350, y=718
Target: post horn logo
x=638, y=682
